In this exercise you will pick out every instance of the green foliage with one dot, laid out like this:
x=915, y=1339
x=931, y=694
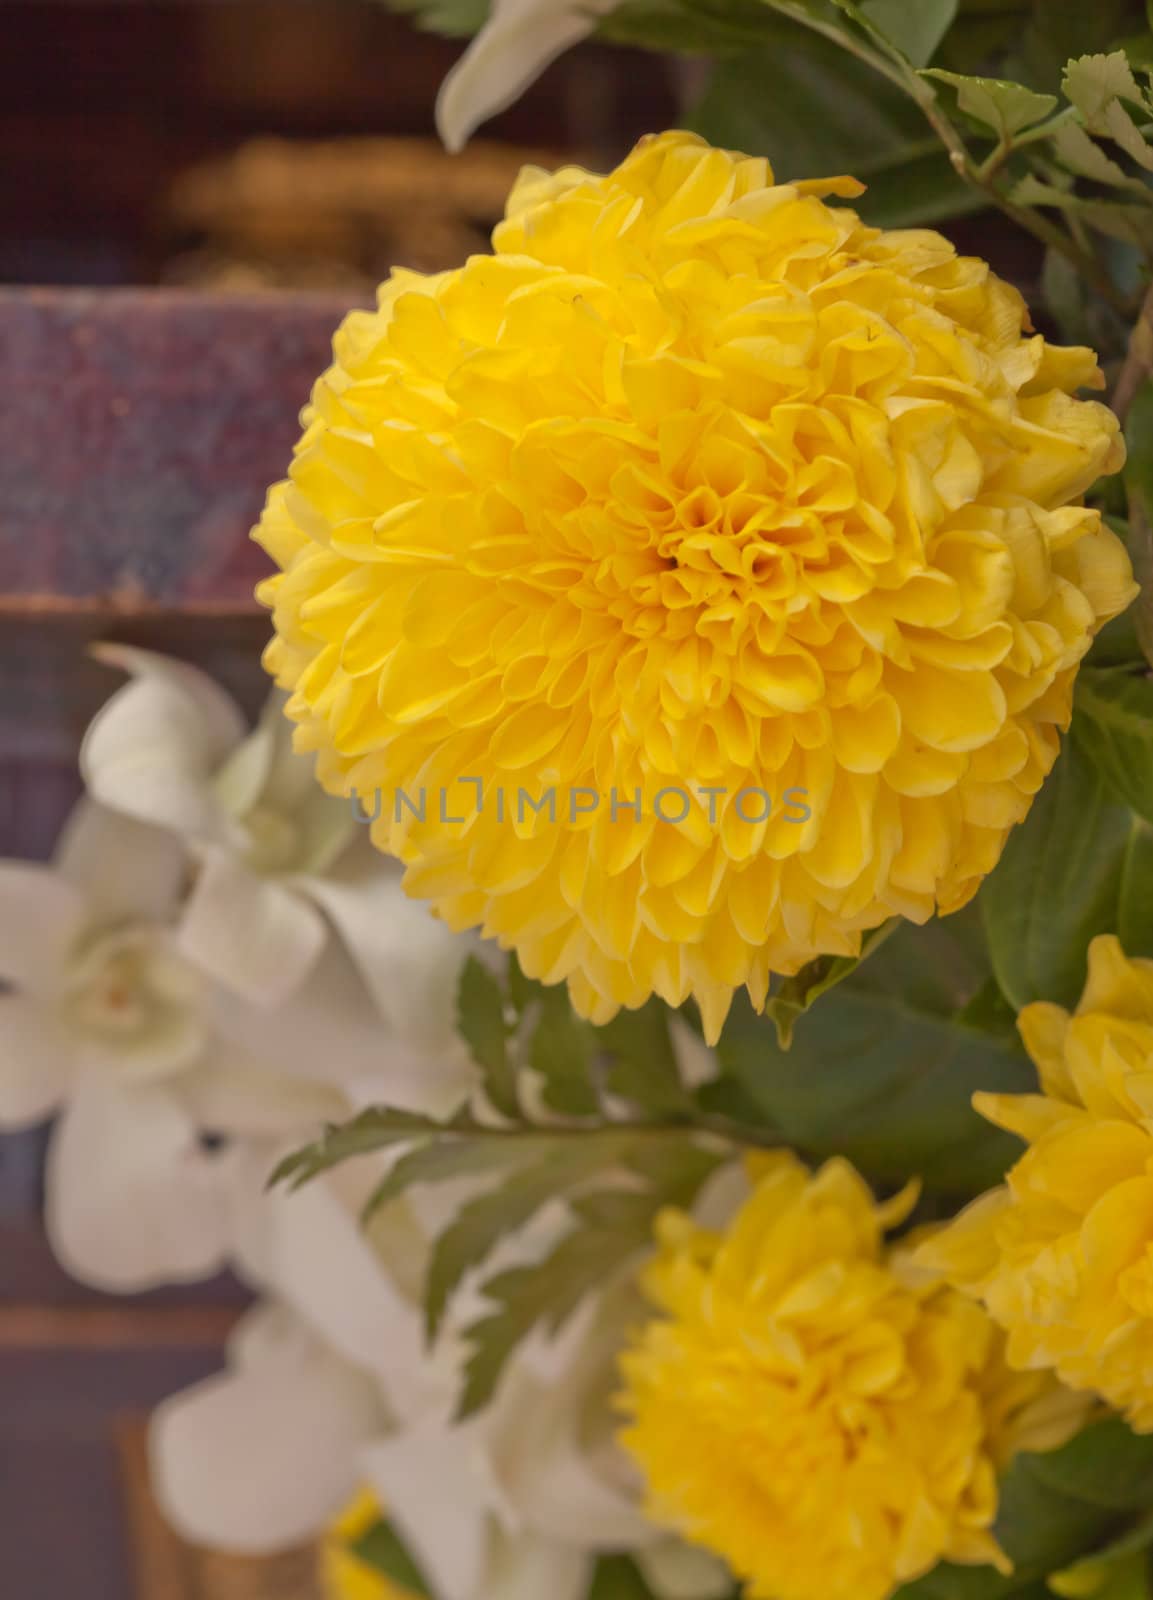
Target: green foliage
x=916, y=30
x=795, y=995
x=382, y=1549
x=1057, y=884
x=1006, y=108
x=882, y=1068
x=1114, y=727
x=619, y=1578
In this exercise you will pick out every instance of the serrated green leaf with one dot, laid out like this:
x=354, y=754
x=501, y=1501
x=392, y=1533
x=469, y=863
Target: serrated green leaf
x=446, y=1159
x=1135, y=915
x=563, y=1051
x=1076, y=150
x=916, y=29
x=483, y=1025
x=611, y=1227
x=1095, y=82
x=882, y=1071
x=382, y=1549
x=1113, y=723
x=481, y=1224
x=797, y=994
x=1007, y=108
x=1056, y=886
x=619, y=1578
x=1131, y=223
x=376, y=1129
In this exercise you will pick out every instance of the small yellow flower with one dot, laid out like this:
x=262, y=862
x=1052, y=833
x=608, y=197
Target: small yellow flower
x=815, y=1410
x=343, y=1575
x=750, y=533
x=1062, y=1254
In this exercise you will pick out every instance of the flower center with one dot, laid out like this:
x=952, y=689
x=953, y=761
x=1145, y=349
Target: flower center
x=126, y=992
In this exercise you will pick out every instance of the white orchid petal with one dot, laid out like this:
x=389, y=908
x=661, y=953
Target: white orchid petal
x=520, y=39
x=410, y=960
x=35, y=1062
x=126, y=869
x=251, y=934
x=526, y=1566
x=321, y=1263
x=133, y=1200
x=677, y=1571
x=261, y=1458
x=327, y=1031
x=41, y=915
x=229, y=1093
x=152, y=750
x=434, y=1487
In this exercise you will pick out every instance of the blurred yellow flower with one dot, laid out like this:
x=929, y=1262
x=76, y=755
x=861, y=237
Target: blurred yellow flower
x=1062, y=1254
x=343, y=1575
x=813, y=1408
x=748, y=532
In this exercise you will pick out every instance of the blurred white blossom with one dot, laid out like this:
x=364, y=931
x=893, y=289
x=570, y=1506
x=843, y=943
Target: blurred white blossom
x=513, y=1504
x=519, y=40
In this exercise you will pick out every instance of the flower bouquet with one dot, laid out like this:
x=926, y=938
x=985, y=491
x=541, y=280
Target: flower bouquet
x=660, y=1008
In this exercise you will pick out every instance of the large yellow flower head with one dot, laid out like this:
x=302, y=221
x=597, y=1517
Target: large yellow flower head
x=815, y=1410
x=748, y=533
x=1062, y=1254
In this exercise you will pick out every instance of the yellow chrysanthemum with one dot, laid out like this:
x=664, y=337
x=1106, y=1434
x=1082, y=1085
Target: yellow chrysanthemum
x=700, y=490
x=813, y=1409
x=343, y=1575
x=1062, y=1254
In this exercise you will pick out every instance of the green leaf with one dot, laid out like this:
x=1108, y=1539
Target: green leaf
x=1008, y=108
x=619, y=1578
x=563, y=1051
x=1056, y=886
x=376, y=1129
x=916, y=29
x=1120, y=1571
x=1095, y=83
x=1106, y=1464
x=798, y=993
x=1132, y=224
x=641, y=1064
x=1077, y=151
x=456, y=18
x=1139, y=483
x=1135, y=917
x=612, y=1226
x=883, y=1069
x=382, y=1549
x=811, y=108
x=1113, y=723
x=483, y=1025
x=481, y=1224
x=445, y=1159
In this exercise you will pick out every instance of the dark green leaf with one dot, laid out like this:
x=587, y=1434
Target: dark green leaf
x=813, y=109
x=915, y=29
x=619, y=1578
x=1056, y=886
x=797, y=994
x=1114, y=726
x=1135, y=919
x=882, y=1070
x=563, y=1051
x=382, y=1549
x=1106, y=1464
x=483, y=1025
x=641, y=1064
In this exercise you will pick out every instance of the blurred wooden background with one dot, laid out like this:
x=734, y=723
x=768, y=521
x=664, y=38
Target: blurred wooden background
x=223, y=149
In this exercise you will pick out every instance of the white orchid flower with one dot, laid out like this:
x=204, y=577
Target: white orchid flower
x=519, y=40
x=107, y=1023
x=514, y=1504
x=279, y=862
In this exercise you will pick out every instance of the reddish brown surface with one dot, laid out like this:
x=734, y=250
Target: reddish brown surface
x=144, y=427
